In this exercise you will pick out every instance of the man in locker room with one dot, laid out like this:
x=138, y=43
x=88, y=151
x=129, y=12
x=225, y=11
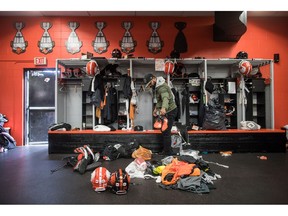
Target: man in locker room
x=165, y=107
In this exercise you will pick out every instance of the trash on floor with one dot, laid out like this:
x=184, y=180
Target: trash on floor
x=262, y=157
x=226, y=153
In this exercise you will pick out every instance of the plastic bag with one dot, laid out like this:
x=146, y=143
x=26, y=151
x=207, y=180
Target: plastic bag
x=141, y=152
x=214, y=116
x=136, y=168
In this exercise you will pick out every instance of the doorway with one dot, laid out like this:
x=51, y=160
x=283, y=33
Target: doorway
x=39, y=104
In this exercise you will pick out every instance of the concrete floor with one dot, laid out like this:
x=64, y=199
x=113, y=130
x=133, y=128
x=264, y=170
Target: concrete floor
x=26, y=179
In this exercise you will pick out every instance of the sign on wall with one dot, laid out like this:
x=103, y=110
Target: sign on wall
x=155, y=44
x=46, y=44
x=127, y=43
x=19, y=44
x=40, y=61
x=100, y=44
x=73, y=44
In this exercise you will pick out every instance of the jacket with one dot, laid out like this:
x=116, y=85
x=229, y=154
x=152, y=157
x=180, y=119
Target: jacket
x=164, y=95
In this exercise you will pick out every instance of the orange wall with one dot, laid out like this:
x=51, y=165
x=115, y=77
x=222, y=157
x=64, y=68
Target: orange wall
x=264, y=37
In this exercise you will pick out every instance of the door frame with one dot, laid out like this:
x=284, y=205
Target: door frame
x=26, y=104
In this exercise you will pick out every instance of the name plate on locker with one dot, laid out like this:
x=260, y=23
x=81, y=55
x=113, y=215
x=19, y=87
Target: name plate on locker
x=231, y=88
x=194, y=82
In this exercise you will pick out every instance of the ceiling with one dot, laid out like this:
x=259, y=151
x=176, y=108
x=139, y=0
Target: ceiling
x=133, y=13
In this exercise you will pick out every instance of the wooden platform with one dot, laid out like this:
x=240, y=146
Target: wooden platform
x=264, y=140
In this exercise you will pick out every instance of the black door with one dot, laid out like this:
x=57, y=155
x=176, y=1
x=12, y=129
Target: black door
x=39, y=104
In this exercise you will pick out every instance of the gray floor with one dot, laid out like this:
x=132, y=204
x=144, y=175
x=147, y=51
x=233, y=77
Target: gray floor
x=26, y=179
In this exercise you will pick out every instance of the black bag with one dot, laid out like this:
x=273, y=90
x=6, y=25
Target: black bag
x=214, y=116
x=126, y=150
x=111, y=152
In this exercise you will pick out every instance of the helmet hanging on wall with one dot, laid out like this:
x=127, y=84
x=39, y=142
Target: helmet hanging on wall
x=245, y=68
x=169, y=67
x=91, y=68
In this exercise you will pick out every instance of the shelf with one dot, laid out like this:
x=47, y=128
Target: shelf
x=102, y=63
x=220, y=70
x=70, y=79
x=229, y=61
x=78, y=63
x=73, y=63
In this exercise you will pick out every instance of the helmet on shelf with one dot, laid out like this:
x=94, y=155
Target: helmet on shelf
x=116, y=53
x=242, y=55
x=174, y=54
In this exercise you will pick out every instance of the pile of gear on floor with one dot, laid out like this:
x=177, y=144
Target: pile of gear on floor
x=187, y=172
x=7, y=142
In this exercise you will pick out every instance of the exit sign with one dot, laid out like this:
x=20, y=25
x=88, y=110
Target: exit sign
x=40, y=61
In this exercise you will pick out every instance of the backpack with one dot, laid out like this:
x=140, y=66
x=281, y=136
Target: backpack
x=100, y=179
x=119, y=182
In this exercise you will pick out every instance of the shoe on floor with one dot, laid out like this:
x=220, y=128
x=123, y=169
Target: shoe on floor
x=83, y=166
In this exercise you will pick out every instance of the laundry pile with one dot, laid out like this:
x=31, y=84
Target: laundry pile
x=185, y=172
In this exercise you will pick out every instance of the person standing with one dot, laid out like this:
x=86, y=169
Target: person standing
x=165, y=106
